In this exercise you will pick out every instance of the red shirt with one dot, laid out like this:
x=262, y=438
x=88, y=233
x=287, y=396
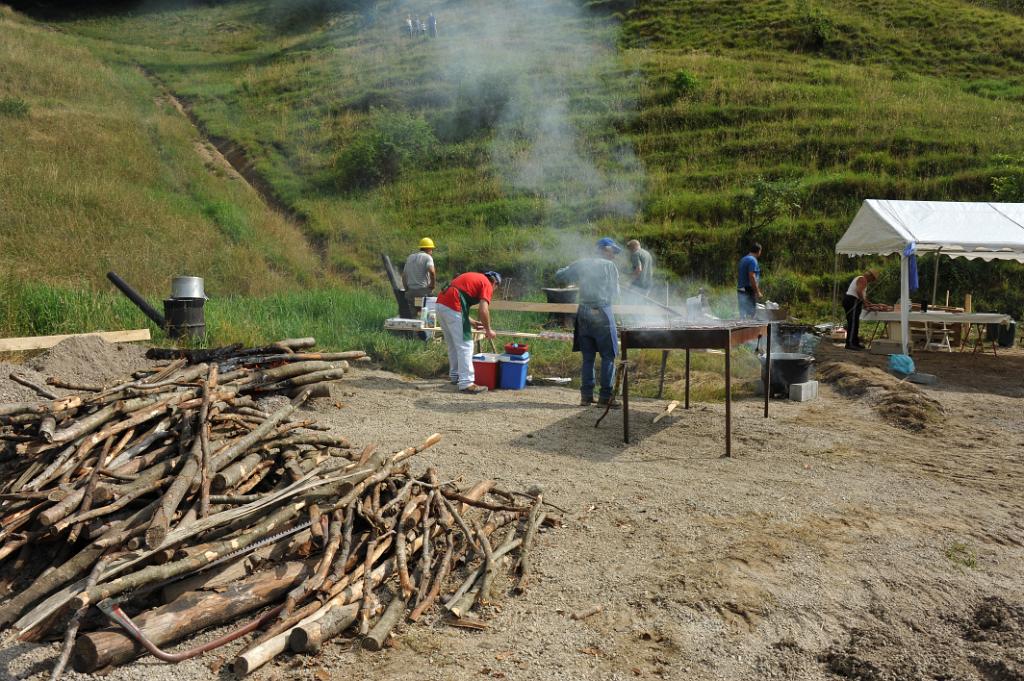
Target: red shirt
x=473, y=284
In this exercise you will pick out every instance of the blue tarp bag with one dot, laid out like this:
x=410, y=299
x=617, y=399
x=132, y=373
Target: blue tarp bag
x=901, y=364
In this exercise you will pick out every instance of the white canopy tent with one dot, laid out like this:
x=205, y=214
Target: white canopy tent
x=989, y=231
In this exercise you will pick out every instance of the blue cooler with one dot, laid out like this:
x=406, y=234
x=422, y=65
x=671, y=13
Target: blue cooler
x=513, y=371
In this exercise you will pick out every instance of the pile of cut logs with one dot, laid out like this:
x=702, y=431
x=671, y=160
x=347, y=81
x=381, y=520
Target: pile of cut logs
x=175, y=497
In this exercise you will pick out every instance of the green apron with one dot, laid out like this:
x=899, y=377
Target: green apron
x=465, y=302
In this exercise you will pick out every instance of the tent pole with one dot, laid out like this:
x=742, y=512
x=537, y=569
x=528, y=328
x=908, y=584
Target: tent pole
x=835, y=286
x=905, y=303
x=935, y=276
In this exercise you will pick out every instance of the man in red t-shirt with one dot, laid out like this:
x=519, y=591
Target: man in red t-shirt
x=465, y=291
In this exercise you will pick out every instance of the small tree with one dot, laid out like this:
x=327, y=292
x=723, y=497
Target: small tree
x=767, y=200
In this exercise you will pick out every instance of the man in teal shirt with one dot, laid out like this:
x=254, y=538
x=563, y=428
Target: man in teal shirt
x=595, y=332
x=643, y=265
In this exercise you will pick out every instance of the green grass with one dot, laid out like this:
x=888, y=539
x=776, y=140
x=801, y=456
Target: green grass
x=100, y=173
x=513, y=140
x=675, y=110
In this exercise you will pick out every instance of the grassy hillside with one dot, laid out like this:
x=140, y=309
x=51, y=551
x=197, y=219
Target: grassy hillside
x=99, y=172
x=694, y=125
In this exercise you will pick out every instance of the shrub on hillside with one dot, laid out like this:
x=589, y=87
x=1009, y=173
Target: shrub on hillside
x=390, y=144
x=479, y=105
x=684, y=83
x=13, y=107
x=787, y=286
x=814, y=31
x=1008, y=186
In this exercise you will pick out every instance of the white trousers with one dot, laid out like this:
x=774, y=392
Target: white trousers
x=460, y=352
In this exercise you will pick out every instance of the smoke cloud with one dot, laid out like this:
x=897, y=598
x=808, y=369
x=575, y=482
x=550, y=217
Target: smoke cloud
x=545, y=77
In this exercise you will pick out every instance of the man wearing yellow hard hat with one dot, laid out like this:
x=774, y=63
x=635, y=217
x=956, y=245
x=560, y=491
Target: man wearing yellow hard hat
x=419, y=275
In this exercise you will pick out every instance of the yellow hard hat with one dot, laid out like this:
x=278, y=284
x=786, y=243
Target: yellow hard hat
x=426, y=242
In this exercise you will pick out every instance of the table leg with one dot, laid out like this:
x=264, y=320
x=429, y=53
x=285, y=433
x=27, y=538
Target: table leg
x=661, y=380
x=625, y=393
x=728, y=397
x=686, y=404
x=768, y=370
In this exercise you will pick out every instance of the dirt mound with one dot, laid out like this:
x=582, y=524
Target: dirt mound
x=898, y=402
x=986, y=643
x=11, y=391
x=90, y=359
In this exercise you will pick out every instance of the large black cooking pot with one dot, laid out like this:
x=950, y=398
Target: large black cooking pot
x=788, y=368
x=561, y=295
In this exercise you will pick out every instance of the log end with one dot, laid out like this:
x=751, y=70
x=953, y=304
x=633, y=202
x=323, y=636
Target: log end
x=302, y=638
x=155, y=536
x=85, y=656
x=372, y=644
x=241, y=667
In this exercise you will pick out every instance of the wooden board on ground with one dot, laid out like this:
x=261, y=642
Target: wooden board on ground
x=43, y=342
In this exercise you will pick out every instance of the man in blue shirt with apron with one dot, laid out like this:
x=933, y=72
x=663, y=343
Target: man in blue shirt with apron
x=595, y=332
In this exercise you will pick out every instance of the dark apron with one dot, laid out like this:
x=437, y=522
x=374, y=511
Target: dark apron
x=607, y=310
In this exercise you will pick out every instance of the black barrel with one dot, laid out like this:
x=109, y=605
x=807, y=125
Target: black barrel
x=1004, y=334
x=561, y=295
x=788, y=368
x=185, y=317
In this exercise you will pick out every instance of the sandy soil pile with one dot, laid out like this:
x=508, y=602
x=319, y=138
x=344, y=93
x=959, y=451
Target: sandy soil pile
x=833, y=545
x=901, y=403
x=90, y=360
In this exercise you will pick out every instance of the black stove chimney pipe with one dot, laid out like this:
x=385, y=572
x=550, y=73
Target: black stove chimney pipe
x=139, y=301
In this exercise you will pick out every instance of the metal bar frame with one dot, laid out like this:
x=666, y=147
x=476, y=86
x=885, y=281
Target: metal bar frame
x=724, y=339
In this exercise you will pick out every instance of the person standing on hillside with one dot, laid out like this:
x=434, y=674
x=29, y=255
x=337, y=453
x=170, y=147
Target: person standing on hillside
x=853, y=303
x=465, y=291
x=749, y=283
x=432, y=25
x=642, y=264
x=594, y=331
x=419, y=275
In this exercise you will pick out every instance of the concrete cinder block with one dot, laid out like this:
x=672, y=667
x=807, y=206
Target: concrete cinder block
x=803, y=392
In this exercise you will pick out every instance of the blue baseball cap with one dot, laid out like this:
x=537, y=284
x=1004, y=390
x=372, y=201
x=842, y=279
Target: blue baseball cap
x=493, y=275
x=608, y=242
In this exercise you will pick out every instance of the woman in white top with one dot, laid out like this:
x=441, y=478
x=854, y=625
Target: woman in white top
x=853, y=302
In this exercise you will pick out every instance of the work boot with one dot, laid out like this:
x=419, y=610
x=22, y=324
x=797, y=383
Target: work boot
x=609, y=402
x=586, y=400
x=474, y=389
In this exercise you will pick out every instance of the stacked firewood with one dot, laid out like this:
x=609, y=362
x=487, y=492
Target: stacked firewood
x=174, y=502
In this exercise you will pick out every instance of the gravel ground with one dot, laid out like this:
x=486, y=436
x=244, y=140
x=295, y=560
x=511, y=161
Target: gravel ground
x=832, y=545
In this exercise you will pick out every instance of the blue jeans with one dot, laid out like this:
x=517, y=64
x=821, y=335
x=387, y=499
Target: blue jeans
x=747, y=304
x=594, y=334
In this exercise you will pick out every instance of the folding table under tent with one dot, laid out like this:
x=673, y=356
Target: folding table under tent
x=989, y=231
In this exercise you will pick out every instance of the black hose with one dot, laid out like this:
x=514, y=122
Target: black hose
x=139, y=301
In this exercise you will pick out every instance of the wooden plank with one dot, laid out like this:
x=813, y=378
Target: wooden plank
x=43, y=342
x=570, y=308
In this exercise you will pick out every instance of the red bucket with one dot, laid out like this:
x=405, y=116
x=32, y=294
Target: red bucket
x=516, y=348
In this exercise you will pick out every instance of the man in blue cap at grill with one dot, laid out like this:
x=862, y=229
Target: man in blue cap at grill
x=595, y=332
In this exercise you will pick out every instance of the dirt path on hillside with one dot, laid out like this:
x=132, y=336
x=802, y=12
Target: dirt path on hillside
x=833, y=545
x=223, y=155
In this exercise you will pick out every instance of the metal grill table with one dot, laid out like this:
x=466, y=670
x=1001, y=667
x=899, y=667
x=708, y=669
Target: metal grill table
x=724, y=336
